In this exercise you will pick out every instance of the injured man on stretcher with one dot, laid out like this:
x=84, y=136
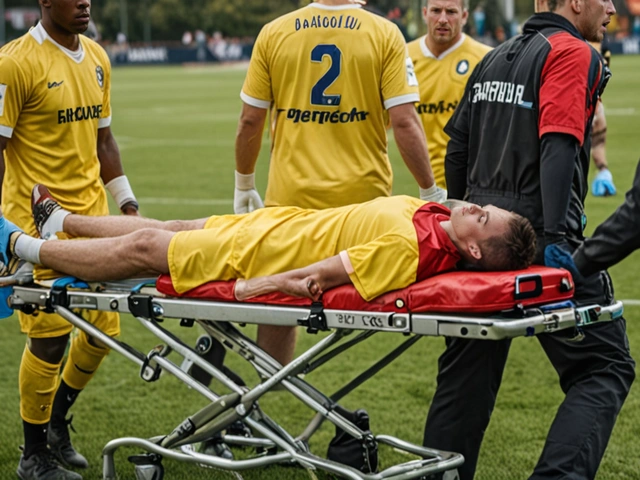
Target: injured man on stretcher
x=378, y=246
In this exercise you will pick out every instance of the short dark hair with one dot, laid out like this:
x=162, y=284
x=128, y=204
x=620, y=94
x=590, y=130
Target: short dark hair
x=553, y=5
x=515, y=250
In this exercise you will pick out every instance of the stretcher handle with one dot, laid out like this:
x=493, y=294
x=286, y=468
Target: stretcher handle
x=519, y=294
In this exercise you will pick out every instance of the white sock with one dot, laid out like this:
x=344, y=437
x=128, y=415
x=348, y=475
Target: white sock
x=28, y=248
x=54, y=223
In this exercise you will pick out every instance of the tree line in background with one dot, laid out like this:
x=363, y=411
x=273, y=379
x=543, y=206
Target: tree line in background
x=162, y=20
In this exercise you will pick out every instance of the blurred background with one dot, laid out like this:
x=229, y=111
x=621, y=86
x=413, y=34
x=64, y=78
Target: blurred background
x=179, y=31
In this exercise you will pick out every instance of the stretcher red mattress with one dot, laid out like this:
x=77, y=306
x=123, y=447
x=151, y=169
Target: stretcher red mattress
x=453, y=292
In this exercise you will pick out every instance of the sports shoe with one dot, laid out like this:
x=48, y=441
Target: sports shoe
x=42, y=465
x=60, y=444
x=43, y=205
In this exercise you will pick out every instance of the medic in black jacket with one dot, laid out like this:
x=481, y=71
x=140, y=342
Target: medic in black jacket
x=520, y=141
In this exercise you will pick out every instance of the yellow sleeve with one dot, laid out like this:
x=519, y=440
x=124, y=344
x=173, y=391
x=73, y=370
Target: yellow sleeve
x=106, y=98
x=256, y=90
x=14, y=92
x=399, y=83
x=384, y=264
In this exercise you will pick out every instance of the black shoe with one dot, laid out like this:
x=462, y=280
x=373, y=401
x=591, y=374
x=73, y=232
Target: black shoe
x=60, y=445
x=42, y=465
x=217, y=448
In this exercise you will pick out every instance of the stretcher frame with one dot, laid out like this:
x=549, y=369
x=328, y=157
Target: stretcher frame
x=151, y=308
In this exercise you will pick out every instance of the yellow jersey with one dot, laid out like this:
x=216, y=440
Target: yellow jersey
x=442, y=81
x=387, y=243
x=53, y=101
x=328, y=73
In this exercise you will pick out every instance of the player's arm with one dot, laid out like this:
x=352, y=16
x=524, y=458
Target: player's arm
x=3, y=145
x=307, y=282
x=112, y=173
x=248, y=142
x=412, y=145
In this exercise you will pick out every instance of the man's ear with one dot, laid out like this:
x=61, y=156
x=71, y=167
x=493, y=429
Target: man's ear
x=45, y=3
x=474, y=250
x=576, y=5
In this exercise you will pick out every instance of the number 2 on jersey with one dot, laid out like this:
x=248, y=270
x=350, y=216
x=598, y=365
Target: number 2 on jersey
x=318, y=97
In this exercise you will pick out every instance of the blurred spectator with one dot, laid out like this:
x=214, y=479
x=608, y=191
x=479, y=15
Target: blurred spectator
x=479, y=18
x=187, y=38
x=201, y=43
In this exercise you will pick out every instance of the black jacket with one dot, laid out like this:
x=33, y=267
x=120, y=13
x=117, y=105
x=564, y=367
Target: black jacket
x=615, y=238
x=520, y=138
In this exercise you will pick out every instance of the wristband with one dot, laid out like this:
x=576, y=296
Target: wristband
x=245, y=181
x=121, y=191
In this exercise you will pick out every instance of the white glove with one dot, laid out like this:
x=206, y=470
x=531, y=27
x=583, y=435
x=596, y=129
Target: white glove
x=245, y=196
x=433, y=194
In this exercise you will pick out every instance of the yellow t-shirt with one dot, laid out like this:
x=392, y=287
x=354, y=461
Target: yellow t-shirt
x=328, y=73
x=53, y=103
x=442, y=81
x=380, y=238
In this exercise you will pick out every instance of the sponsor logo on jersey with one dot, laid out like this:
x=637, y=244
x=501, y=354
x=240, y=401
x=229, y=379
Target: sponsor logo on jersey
x=463, y=67
x=3, y=93
x=54, y=84
x=323, y=21
x=100, y=76
x=434, y=108
x=318, y=116
x=78, y=114
x=500, y=92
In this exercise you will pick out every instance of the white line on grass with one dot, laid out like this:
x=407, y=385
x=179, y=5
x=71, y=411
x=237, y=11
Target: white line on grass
x=620, y=112
x=185, y=201
x=631, y=302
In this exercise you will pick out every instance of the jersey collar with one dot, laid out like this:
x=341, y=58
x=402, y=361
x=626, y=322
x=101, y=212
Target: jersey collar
x=334, y=7
x=427, y=53
x=40, y=35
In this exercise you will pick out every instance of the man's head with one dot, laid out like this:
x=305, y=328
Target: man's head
x=66, y=16
x=444, y=19
x=492, y=238
x=590, y=17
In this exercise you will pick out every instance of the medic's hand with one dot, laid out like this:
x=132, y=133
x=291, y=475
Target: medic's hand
x=558, y=255
x=602, y=185
x=245, y=196
x=433, y=194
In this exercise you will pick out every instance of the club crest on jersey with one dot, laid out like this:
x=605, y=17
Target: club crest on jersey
x=100, y=76
x=463, y=67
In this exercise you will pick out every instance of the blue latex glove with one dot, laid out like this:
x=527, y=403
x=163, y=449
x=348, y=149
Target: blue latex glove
x=602, y=185
x=558, y=257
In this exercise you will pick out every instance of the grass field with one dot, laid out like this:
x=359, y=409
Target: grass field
x=175, y=128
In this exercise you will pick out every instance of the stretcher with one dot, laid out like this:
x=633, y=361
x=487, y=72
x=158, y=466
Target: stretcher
x=474, y=305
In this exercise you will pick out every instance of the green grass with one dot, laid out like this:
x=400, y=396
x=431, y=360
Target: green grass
x=175, y=128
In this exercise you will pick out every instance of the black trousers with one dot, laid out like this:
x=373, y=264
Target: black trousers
x=595, y=375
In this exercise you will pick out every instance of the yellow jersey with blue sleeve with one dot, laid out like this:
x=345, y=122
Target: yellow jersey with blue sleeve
x=442, y=82
x=53, y=101
x=328, y=73
x=385, y=244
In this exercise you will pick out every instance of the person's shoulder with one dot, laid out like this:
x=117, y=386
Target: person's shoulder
x=94, y=48
x=21, y=48
x=474, y=46
x=414, y=47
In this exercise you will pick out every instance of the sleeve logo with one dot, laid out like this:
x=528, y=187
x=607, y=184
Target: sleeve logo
x=3, y=93
x=100, y=76
x=411, y=74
